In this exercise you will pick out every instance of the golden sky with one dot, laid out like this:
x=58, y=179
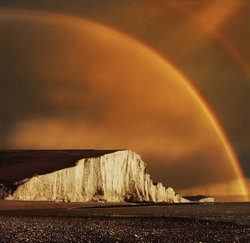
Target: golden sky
x=68, y=85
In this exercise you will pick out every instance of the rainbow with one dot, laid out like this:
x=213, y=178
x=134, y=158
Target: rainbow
x=209, y=28
x=165, y=66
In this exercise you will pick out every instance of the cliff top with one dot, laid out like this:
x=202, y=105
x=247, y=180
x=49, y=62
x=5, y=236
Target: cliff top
x=17, y=165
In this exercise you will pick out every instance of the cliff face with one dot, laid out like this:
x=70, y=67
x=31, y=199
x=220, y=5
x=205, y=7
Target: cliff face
x=113, y=177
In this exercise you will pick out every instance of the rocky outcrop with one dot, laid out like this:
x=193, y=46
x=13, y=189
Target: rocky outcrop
x=206, y=200
x=199, y=199
x=4, y=192
x=113, y=177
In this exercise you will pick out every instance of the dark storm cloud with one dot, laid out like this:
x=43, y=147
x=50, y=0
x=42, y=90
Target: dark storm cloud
x=19, y=102
x=198, y=54
x=187, y=171
x=173, y=34
x=24, y=95
x=20, y=99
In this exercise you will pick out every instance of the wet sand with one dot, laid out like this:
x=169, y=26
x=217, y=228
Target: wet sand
x=92, y=222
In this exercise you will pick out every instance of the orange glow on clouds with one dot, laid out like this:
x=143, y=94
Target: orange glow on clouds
x=131, y=84
x=212, y=18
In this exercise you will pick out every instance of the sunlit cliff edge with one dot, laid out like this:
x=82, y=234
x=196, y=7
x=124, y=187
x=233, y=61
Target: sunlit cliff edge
x=113, y=177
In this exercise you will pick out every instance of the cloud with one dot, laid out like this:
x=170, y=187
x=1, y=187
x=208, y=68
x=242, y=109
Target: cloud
x=73, y=86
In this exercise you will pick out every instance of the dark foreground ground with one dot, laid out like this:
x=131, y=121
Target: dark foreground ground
x=76, y=222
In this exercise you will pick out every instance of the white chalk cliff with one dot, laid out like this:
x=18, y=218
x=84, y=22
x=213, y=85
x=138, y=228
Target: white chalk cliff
x=114, y=177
